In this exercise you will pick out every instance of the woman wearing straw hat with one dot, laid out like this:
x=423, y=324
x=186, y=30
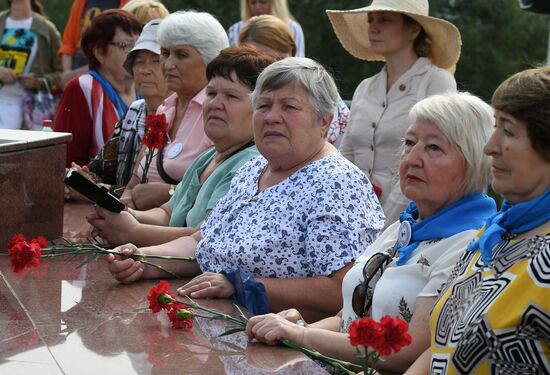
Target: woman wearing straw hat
x=417, y=49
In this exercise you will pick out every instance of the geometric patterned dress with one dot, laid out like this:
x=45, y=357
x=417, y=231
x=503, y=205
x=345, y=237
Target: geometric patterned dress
x=496, y=319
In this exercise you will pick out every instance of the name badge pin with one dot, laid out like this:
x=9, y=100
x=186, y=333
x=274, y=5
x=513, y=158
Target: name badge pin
x=175, y=150
x=405, y=233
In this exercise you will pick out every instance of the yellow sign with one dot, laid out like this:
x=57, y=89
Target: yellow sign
x=13, y=59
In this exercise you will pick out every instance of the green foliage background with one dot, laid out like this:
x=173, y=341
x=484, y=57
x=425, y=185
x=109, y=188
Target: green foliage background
x=498, y=37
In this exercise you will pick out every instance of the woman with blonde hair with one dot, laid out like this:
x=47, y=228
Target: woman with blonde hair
x=269, y=34
x=146, y=10
x=277, y=8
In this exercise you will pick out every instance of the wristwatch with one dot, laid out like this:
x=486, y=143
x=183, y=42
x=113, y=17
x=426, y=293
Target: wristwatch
x=171, y=190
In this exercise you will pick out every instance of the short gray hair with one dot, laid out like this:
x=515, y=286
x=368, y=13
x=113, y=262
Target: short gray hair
x=467, y=122
x=199, y=30
x=319, y=84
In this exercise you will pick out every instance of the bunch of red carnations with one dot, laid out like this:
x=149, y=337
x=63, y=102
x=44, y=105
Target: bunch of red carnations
x=181, y=314
x=25, y=253
x=156, y=128
x=384, y=337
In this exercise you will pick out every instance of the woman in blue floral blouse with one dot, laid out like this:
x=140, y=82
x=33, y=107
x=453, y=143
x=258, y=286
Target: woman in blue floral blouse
x=294, y=218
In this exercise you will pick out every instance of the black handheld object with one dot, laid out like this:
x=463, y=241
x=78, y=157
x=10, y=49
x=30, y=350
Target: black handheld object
x=97, y=194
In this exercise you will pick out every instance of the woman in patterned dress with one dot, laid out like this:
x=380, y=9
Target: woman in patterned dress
x=294, y=218
x=493, y=316
x=444, y=172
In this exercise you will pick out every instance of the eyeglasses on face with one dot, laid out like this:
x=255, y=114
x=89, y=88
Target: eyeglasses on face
x=125, y=46
x=362, y=294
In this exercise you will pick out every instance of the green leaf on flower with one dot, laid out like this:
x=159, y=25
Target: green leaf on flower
x=240, y=312
x=232, y=331
x=88, y=259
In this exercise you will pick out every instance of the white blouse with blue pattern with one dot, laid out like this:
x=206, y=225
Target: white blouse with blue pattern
x=313, y=223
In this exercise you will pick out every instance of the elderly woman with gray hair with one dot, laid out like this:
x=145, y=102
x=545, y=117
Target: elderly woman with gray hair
x=294, y=218
x=189, y=41
x=443, y=172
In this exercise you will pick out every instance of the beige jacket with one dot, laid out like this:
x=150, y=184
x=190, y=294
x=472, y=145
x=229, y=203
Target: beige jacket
x=379, y=120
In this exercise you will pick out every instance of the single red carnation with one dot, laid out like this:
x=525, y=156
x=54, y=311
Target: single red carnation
x=377, y=190
x=23, y=255
x=156, y=122
x=181, y=316
x=365, y=332
x=156, y=128
x=396, y=336
x=162, y=125
x=41, y=240
x=153, y=139
x=15, y=240
x=160, y=297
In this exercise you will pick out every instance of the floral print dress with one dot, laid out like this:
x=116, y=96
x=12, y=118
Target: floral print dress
x=313, y=223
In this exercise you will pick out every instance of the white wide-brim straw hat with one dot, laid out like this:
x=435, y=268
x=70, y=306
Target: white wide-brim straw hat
x=352, y=29
x=147, y=41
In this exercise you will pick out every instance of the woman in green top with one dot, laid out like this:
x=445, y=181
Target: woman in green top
x=228, y=123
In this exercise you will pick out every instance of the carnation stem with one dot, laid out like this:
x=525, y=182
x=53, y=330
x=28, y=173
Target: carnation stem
x=68, y=253
x=92, y=248
x=215, y=314
x=160, y=268
x=341, y=365
x=152, y=256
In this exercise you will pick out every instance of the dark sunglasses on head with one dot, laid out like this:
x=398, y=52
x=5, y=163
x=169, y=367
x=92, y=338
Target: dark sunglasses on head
x=362, y=294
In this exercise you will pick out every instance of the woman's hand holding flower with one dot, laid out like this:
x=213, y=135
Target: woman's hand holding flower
x=208, y=285
x=123, y=268
x=294, y=316
x=271, y=328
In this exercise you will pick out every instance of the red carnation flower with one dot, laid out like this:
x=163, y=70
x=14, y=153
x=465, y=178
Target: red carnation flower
x=181, y=316
x=23, y=255
x=160, y=297
x=377, y=190
x=41, y=240
x=365, y=332
x=16, y=239
x=396, y=336
x=153, y=139
x=157, y=122
x=156, y=128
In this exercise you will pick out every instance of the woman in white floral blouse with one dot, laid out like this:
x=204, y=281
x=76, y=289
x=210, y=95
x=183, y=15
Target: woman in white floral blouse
x=294, y=218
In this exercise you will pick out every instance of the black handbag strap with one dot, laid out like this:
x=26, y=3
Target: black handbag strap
x=160, y=167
